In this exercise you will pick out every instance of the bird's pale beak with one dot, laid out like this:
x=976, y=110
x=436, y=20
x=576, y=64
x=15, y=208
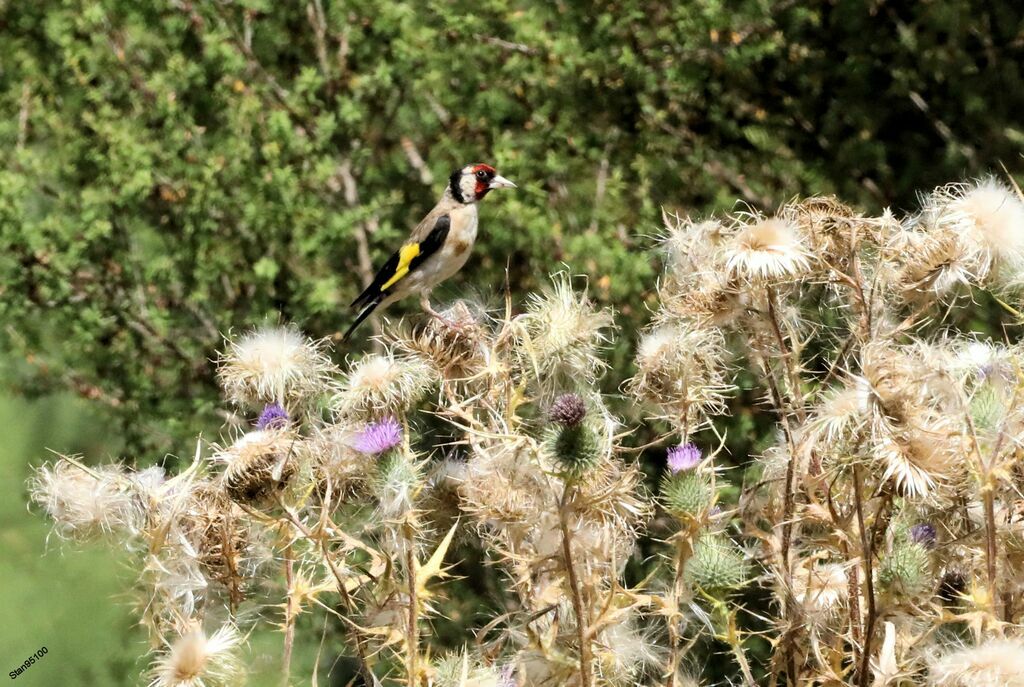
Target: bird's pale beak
x=501, y=182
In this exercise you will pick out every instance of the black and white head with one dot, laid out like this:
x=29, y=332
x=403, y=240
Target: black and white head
x=473, y=182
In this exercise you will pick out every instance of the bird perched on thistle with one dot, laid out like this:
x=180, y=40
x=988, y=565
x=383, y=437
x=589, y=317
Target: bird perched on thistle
x=436, y=249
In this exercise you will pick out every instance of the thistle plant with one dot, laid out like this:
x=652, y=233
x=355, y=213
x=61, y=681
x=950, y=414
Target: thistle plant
x=874, y=539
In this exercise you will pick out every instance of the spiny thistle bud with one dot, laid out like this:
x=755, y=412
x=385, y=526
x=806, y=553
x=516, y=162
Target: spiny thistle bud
x=717, y=564
x=568, y=410
x=907, y=569
x=987, y=408
x=396, y=484
x=577, y=448
x=686, y=495
x=685, y=490
x=378, y=437
x=274, y=416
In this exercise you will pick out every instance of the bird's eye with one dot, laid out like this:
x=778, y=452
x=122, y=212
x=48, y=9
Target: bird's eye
x=481, y=175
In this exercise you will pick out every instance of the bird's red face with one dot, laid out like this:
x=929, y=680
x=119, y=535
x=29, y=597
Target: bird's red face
x=473, y=182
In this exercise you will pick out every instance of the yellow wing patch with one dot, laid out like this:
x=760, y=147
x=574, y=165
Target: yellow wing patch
x=405, y=256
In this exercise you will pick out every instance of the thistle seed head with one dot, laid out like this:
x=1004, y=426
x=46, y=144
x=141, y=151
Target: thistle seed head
x=274, y=365
x=198, y=660
x=993, y=663
x=382, y=385
x=768, y=250
x=258, y=466
x=86, y=504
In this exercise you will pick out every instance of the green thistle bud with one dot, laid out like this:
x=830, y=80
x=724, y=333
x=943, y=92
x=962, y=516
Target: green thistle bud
x=396, y=483
x=577, y=448
x=686, y=494
x=907, y=569
x=717, y=564
x=987, y=408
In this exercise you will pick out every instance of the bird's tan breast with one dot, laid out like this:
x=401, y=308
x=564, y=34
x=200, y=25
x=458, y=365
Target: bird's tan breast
x=452, y=256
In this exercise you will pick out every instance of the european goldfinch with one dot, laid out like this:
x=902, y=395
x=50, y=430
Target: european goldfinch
x=436, y=249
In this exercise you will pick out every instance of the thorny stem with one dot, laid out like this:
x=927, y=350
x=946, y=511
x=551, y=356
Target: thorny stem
x=577, y=598
x=228, y=546
x=683, y=549
x=787, y=516
x=413, y=631
x=988, y=498
x=289, y=619
x=740, y=655
x=869, y=585
x=797, y=398
x=853, y=592
x=796, y=402
x=364, y=664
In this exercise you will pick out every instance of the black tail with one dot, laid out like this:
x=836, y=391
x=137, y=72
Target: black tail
x=363, y=314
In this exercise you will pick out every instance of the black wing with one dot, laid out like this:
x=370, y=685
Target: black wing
x=373, y=294
x=430, y=245
x=435, y=239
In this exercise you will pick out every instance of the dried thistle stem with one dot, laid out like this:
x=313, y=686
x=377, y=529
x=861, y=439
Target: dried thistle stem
x=869, y=585
x=289, y=618
x=321, y=543
x=574, y=585
x=991, y=551
x=412, y=638
x=684, y=548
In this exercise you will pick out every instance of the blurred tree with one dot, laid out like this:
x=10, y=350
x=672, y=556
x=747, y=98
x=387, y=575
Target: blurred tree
x=174, y=169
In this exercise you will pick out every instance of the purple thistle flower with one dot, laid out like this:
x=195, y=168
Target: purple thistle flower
x=272, y=417
x=507, y=676
x=568, y=410
x=378, y=437
x=923, y=534
x=683, y=457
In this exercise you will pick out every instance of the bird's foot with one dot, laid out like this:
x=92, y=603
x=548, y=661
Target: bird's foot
x=450, y=324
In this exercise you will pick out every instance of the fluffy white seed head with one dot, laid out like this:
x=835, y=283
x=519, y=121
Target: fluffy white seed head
x=994, y=217
x=681, y=370
x=274, y=364
x=86, y=504
x=259, y=464
x=767, y=250
x=821, y=588
x=384, y=384
x=564, y=333
x=995, y=663
x=198, y=660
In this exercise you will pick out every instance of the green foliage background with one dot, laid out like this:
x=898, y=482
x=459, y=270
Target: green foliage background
x=174, y=169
